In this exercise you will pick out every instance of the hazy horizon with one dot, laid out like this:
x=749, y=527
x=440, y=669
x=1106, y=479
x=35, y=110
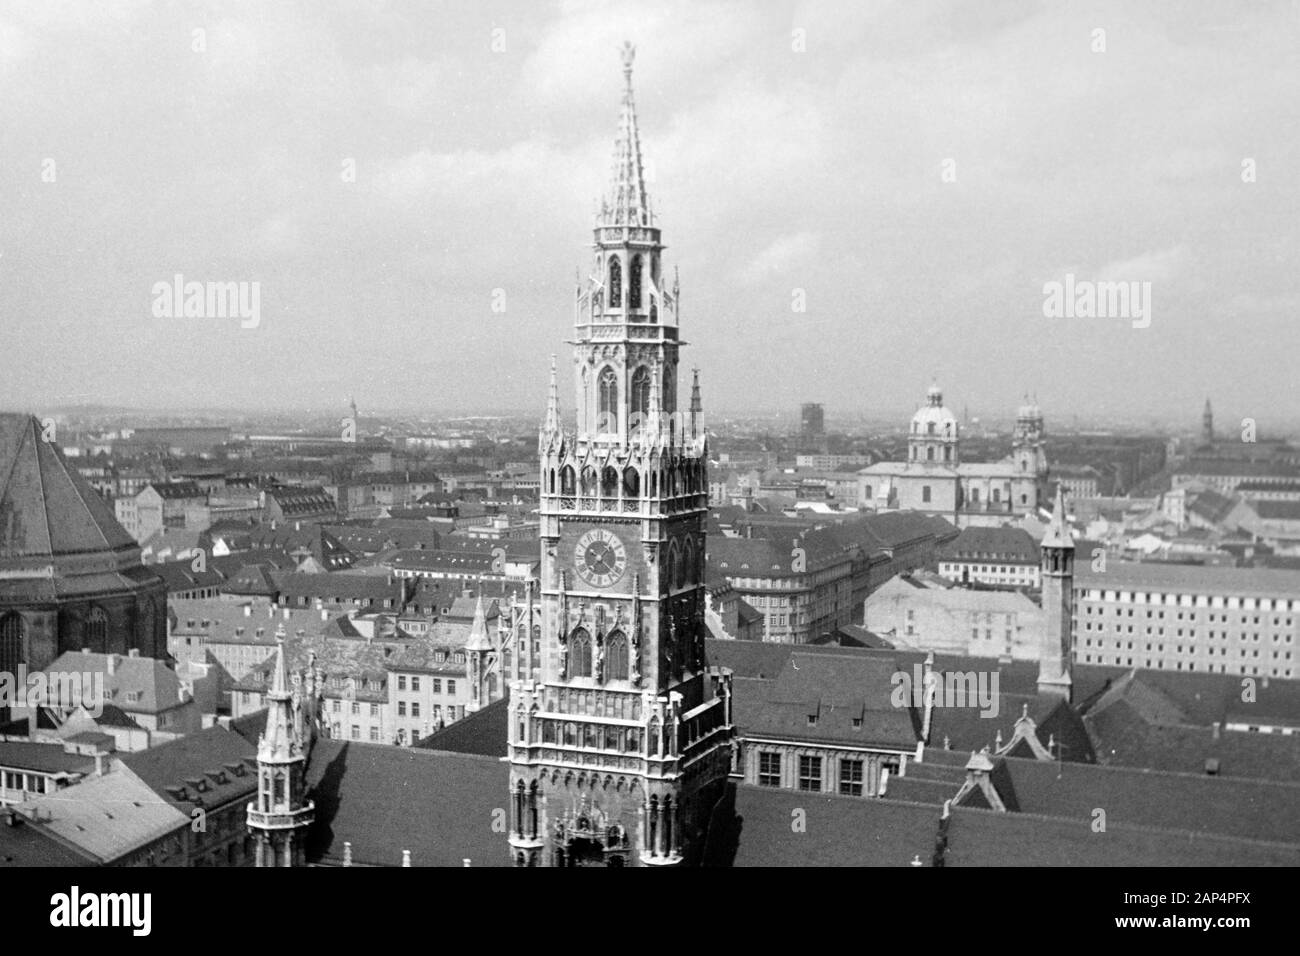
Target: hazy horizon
x=382, y=171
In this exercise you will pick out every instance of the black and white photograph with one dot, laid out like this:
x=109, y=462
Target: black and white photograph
x=669, y=434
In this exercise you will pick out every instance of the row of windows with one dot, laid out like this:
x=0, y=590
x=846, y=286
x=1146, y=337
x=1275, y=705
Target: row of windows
x=1191, y=649
x=810, y=773
x=1209, y=635
x=1195, y=600
x=435, y=682
x=1191, y=616
x=1159, y=664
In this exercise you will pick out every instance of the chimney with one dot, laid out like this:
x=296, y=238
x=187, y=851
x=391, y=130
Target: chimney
x=112, y=664
x=324, y=614
x=99, y=763
x=347, y=853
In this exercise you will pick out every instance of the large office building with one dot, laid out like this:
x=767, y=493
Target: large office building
x=1188, y=618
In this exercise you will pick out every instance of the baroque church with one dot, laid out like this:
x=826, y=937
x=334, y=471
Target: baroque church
x=934, y=479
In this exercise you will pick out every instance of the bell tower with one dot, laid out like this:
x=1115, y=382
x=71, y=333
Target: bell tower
x=620, y=740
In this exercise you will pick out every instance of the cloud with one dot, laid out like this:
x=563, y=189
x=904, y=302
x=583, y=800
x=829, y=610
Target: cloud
x=1157, y=266
x=780, y=256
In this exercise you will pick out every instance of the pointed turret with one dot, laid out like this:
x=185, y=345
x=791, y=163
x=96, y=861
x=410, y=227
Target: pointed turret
x=281, y=814
x=1054, y=651
x=478, y=633
x=551, y=427
x=478, y=655
x=697, y=407
x=279, y=741
x=627, y=203
x=1058, y=529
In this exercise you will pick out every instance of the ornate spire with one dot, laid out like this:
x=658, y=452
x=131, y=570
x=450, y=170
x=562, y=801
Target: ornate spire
x=1058, y=531
x=478, y=635
x=627, y=204
x=280, y=740
x=552, y=404
x=697, y=407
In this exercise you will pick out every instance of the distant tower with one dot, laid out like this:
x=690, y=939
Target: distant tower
x=1029, y=453
x=1058, y=604
x=1207, y=423
x=620, y=737
x=479, y=657
x=812, y=420
x=281, y=814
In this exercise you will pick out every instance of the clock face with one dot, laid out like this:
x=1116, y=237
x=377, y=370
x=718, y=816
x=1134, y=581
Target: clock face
x=600, y=557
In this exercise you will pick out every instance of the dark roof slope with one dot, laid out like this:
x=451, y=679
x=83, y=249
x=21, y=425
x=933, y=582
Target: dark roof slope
x=446, y=804
x=483, y=732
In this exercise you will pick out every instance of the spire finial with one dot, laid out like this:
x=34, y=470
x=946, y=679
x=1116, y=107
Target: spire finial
x=628, y=204
x=629, y=54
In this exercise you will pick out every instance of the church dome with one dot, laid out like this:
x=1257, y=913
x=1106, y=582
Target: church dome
x=935, y=413
x=1029, y=411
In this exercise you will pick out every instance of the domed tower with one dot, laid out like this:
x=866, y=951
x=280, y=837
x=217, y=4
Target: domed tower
x=1027, y=440
x=934, y=438
x=620, y=741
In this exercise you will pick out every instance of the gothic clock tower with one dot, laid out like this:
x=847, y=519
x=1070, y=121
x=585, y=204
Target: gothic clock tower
x=620, y=735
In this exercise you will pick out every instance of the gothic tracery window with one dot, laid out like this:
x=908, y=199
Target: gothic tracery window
x=615, y=283
x=616, y=656
x=607, y=396
x=640, y=396
x=634, y=284
x=580, y=653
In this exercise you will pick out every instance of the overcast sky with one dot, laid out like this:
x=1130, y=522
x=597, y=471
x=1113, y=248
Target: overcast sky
x=792, y=146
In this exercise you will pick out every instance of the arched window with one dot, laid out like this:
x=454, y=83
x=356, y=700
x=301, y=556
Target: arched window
x=609, y=483
x=13, y=631
x=580, y=653
x=634, y=284
x=639, y=396
x=589, y=481
x=607, y=407
x=616, y=656
x=688, y=562
x=631, y=483
x=615, y=283
x=97, y=630
x=568, y=484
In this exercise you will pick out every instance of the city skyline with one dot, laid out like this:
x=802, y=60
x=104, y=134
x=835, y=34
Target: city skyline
x=345, y=193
